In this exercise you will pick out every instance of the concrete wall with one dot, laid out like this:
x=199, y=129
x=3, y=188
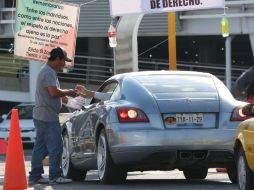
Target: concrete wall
x=14, y=84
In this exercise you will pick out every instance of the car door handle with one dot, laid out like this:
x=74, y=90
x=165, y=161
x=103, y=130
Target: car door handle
x=73, y=118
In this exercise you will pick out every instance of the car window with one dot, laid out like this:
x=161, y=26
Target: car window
x=177, y=83
x=108, y=88
x=116, y=94
x=25, y=112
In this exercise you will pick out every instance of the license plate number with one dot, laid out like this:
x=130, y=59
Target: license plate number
x=194, y=118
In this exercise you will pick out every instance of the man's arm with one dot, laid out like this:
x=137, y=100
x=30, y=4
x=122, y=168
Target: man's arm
x=56, y=92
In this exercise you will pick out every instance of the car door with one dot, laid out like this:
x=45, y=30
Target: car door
x=89, y=120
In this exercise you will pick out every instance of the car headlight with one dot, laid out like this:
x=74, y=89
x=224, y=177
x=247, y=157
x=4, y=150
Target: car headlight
x=4, y=129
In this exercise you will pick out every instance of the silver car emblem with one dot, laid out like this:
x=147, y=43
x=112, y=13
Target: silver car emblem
x=188, y=101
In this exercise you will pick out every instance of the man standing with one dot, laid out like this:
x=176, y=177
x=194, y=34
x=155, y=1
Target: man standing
x=48, y=102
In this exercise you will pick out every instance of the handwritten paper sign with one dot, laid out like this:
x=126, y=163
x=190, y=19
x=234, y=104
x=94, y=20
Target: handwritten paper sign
x=42, y=25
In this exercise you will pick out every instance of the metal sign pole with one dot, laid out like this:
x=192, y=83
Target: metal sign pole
x=172, y=41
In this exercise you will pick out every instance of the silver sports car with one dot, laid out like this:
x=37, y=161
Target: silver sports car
x=160, y=120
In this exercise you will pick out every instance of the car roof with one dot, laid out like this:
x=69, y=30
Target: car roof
x=163, y=72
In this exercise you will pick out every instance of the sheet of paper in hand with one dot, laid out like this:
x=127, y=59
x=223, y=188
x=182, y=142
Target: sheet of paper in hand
x=76, y=103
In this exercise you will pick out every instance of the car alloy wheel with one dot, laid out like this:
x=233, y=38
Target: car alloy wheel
x=108, y=172
x=245, y=175
x=101, y=156
x=67, y=168
x=65, y=156
x=241, y=173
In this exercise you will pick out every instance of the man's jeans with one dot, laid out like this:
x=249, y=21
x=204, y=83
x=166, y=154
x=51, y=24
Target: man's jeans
x=48, y=142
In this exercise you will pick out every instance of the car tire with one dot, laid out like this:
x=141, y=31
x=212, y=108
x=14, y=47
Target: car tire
x=244, y=174
x=67, y=168
x=232, y=174
x=199, y=173
x=108, y=172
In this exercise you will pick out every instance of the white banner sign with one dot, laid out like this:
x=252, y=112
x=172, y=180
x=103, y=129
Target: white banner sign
x=42, y=25
x=124, y=7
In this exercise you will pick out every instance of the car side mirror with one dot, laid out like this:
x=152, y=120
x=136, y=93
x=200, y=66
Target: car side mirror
x=248, y=110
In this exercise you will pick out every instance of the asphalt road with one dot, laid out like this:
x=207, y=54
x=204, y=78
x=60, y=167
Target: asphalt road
x=152, y=180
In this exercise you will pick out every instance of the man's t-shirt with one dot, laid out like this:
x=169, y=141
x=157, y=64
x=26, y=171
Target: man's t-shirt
x=46, y=107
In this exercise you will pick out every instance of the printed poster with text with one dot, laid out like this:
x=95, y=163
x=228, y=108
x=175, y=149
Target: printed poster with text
x=42, y=25
x=125, y=7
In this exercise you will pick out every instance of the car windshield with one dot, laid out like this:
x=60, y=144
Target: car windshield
x=25, y=112
x=177, y=83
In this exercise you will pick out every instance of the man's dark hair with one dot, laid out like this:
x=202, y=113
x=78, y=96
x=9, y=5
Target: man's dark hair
x=60, y=53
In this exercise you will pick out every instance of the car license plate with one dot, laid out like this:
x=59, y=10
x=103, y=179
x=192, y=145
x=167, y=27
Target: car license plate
x=189, y=118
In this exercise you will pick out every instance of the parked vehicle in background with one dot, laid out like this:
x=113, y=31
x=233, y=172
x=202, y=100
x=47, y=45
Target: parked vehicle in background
x=27, y=129
x=25, y=111
x=159, y=120
x=244, y=150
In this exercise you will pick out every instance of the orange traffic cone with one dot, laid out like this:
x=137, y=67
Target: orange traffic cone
x=15, y=174
x=3, y=146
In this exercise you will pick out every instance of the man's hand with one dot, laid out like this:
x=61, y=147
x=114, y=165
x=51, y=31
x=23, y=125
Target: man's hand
x=72, y=93
x=82, y=91
x=80, y=88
